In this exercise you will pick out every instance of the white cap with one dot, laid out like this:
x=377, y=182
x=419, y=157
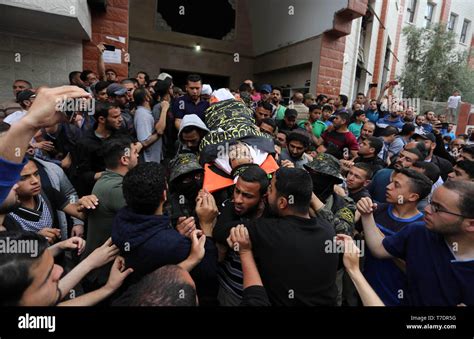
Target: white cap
x=163, y=76
x=206, y=89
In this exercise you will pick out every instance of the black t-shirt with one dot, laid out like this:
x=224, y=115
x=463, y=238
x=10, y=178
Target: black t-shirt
x=292, y=258
x=363, y=193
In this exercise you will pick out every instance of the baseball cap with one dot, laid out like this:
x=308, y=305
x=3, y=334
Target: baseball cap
x=426, y=136
x=24, y=95
x=266, y=88
x=114, y=90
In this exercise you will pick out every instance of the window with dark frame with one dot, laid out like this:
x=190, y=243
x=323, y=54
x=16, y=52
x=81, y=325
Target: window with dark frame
x=411, y=10
x=452, y=22
x=429, y=14
x=465, y=27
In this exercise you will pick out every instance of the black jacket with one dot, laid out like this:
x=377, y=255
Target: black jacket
x=444, y=166
x=89, y=162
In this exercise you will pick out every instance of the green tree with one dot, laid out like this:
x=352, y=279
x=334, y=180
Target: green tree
x=433, y=67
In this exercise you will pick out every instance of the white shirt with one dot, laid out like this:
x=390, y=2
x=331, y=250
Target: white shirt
x=453, y=101
x=14, y=117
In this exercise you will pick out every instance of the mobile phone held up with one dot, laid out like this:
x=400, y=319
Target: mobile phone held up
x=109, y=47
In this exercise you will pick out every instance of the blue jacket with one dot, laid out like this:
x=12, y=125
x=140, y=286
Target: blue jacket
x=9, y=176
x=148, y=242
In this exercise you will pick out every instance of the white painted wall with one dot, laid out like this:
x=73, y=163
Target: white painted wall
x=465, y=10
x=273, y=27
x=42, y=62
x=350, y=60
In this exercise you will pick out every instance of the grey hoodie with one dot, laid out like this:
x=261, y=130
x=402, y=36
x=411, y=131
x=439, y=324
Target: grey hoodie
x=189, y=120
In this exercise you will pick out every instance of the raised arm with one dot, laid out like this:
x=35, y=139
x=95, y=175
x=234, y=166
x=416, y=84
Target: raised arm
x=351, y=263
x=373, y=236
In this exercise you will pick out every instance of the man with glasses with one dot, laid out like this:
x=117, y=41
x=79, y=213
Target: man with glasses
x=404, y=192
x=439, y=253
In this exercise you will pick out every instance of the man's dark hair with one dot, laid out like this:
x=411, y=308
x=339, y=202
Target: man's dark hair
x=277, y=89
x=419, y=150
x=15, y=267
x=344, y=99
x=114, y=148
x=193, y=78
x=320, y=98
x=143, y=187
x=110, y=70
x=72, y=75
x=147, y=77
x=345, y=116
x=430, y=170
x=258, y=175
x=244, y=87
x=313, y=107
x=327, y=107
x=465, y=189
x=419, y=183
x=367, y=168
x=163, y=287
x=162, y=87
x=360, y=93
x=85, y=73
x=469, y=149
x=407, y=128
x=375, y=143
x=102, y=110
x=266, y=105
x=389, y=130
x=467, y=166
x=129, y=81
x=139, y=96
x=295, y=183
x=268, y=121
x=298, y=136
x=100, y=86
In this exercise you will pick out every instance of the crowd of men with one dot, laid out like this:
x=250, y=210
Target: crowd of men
x=370, y=203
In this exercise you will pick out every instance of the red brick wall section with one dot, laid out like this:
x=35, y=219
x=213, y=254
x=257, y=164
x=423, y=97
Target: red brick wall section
x=333, y=43
x=445, y=8
x=379, y=51
x=397, y=40
x=463, y=119
x=113, y=22
x=331, y=65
